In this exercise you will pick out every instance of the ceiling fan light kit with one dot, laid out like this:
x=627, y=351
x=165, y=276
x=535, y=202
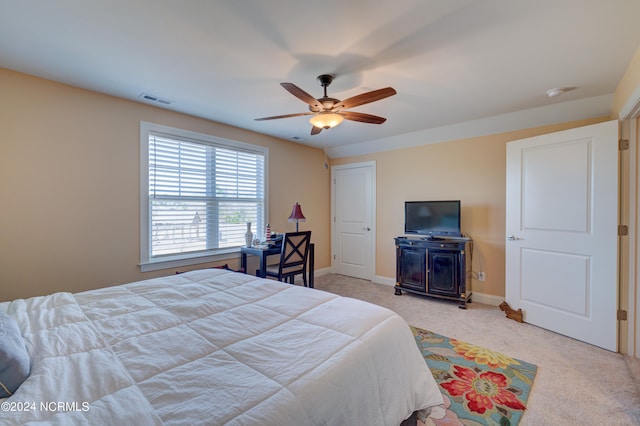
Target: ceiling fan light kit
x=326, y=120
x=329, y=112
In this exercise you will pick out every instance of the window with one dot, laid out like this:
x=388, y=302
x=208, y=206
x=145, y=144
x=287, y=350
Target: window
x=198, y=193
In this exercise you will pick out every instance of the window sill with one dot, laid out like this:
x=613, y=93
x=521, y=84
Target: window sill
x=178, y=261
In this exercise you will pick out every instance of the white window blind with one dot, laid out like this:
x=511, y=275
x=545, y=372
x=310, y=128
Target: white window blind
x=201, y=194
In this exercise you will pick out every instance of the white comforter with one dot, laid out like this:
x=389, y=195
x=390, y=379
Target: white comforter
x=215, y=347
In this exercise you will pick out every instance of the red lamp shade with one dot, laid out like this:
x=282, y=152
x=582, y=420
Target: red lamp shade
x=296, y=215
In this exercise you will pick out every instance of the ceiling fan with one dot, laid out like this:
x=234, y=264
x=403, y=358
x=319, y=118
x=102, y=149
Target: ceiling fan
x=329, y=112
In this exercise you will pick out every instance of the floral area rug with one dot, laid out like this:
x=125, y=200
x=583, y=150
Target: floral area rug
x=479, y=386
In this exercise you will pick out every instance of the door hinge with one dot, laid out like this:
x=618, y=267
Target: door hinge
x=623, y=230
x=622, y=315
x=623, y=144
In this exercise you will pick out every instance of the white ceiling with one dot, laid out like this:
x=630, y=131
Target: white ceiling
x=461, y=67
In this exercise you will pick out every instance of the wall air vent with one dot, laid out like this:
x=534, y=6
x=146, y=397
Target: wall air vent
x=153, y=98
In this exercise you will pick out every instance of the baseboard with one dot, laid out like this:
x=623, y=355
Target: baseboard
x=321, y=272
x=485, y=299
x=379, y=279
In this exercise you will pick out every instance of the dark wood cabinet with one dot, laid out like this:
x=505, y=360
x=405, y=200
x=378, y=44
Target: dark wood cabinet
x=434, y=267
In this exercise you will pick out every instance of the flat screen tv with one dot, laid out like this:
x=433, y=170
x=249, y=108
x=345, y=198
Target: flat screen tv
x=432, y=218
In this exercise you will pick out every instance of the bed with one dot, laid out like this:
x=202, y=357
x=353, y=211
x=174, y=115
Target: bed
x=215, y=347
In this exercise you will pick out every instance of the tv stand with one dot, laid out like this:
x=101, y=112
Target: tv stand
x=435, y=267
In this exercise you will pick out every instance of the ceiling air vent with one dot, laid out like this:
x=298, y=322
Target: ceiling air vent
x=152, y=98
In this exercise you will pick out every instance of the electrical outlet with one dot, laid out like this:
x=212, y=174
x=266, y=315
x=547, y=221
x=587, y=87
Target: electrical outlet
x=481, y=276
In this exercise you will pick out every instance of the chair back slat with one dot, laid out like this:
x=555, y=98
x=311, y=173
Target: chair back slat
x=295, y=250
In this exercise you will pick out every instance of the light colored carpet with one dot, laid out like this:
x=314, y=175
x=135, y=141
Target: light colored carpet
x=576, y=384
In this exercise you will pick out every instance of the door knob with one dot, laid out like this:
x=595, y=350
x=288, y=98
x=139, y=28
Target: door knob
x=514, y=238
x=366, y=228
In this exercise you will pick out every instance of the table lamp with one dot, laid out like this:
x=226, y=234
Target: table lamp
x=296, y=215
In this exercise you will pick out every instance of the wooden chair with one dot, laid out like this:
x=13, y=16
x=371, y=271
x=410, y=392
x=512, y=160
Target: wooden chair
x=293, y=258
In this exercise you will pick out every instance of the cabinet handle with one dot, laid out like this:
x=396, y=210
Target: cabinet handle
x=426, y=268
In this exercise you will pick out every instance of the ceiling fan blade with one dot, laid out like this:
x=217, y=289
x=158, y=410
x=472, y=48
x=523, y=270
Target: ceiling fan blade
x=283, y=116
x=364, y=118
x=315, y=130
x=303, y=96
x=365, y=98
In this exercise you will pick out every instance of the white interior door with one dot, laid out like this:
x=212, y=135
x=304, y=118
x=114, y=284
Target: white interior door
x=353, y=242
x=561, y=227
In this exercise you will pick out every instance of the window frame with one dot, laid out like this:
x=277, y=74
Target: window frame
x=149, y=263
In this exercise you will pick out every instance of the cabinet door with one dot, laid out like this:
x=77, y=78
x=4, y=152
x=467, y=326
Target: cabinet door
x=413, y=268
x=443, y=272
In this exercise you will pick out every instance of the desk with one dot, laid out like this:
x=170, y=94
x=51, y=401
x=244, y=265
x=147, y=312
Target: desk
x=263, y=253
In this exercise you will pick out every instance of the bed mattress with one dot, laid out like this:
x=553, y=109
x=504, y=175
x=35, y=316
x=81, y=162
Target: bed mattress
x=216, y=347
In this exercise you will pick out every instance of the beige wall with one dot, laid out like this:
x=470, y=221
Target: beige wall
x=628, y=85
x=69, y=156
x=69, y=186
x=470, y=170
